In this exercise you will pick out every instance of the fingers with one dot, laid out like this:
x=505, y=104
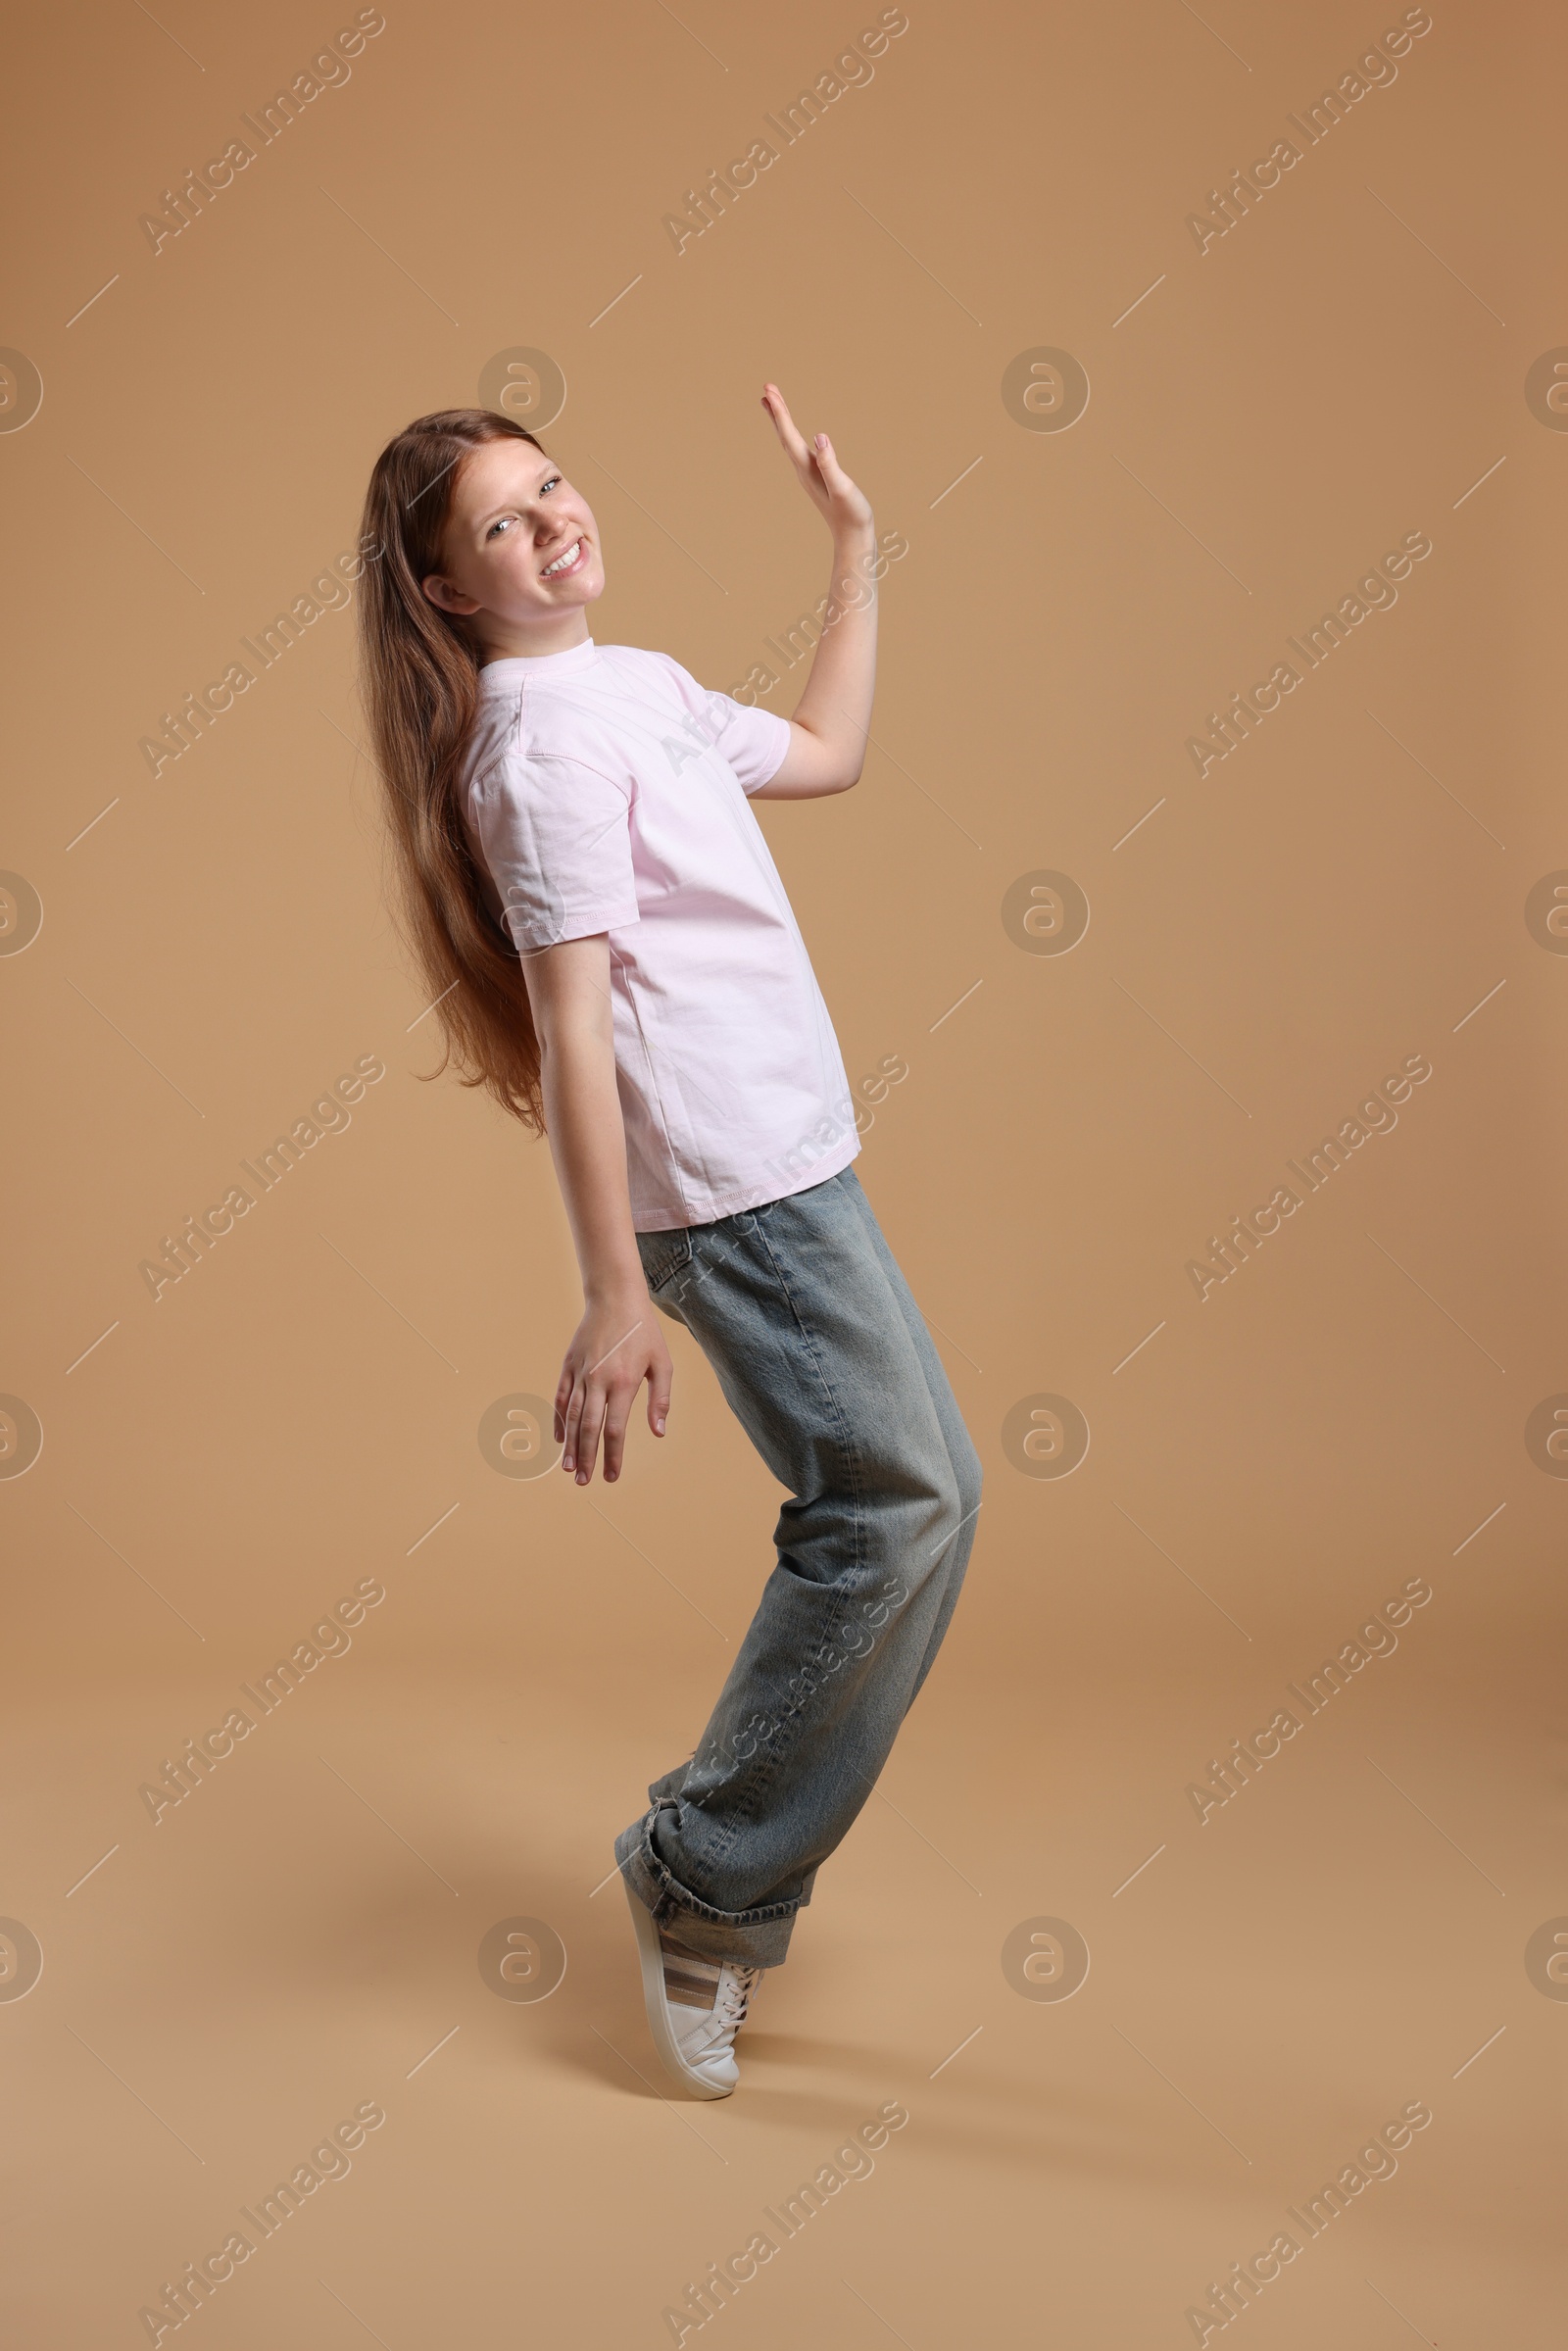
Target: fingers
x=591, y=1411
x=617, y=1411
x=571, y=1423
x=660, y=1381
x=832, y=473
x=816, y=463
x=599, y=1414
x=590, y=1422
x=778, y=408
x=785, y=426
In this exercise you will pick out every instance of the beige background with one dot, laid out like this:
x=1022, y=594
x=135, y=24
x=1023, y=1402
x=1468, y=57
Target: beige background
x=220, y=1989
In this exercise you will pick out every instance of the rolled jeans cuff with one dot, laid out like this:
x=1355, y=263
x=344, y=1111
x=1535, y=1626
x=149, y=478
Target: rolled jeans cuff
x=756, y=1938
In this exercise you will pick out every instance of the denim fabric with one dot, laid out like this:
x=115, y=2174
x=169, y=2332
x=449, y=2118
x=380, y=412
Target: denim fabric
x=823, y=1357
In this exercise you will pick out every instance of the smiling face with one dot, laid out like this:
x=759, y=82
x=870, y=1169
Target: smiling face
x=519, y=552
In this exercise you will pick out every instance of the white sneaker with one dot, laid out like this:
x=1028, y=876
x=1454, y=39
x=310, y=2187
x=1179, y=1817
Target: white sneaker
x=695, y=2007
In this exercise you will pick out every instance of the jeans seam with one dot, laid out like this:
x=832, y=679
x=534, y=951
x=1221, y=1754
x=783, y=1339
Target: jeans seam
x=846, y=1441
x=744, y=1798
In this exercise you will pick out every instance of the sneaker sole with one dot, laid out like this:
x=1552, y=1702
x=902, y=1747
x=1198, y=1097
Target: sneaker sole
x=652, y=1960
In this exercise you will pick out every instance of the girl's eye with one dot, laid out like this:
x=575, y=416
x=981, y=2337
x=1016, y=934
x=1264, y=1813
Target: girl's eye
x=551, y=482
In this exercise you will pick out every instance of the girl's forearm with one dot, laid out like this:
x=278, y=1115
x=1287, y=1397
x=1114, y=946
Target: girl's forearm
x=836, y=703
x=615, y=1346
x=588, y=1145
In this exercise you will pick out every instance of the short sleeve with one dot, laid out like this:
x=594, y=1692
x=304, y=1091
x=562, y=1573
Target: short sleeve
x=557, y=838
x=752, y=741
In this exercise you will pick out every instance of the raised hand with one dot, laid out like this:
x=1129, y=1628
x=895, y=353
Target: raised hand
x=845, y=509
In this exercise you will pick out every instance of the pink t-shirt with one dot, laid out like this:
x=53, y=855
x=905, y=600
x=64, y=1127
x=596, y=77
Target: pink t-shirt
x=606, y=791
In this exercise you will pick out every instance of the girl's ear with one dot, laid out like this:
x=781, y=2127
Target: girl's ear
x=446, y=597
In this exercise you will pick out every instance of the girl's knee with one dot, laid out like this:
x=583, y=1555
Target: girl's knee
x=960, y=1501
x=969, y=1478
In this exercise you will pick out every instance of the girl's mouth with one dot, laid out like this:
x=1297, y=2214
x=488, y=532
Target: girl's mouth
x=567, y=560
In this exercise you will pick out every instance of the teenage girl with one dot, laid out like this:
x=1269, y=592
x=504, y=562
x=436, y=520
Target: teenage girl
x=595, y=909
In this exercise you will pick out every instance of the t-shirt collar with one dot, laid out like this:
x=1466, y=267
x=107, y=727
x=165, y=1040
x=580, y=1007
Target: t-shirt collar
x=519, y=669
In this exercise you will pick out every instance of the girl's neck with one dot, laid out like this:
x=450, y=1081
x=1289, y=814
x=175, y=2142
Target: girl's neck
x=510, y=641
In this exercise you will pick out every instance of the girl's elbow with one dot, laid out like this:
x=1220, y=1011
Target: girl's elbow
x=844, y=771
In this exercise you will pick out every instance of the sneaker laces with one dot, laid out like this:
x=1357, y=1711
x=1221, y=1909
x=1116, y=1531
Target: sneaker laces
x=736, y=1985
x=714, y=2035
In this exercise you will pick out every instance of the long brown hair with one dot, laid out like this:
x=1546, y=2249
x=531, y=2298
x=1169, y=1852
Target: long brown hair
x=419, y=678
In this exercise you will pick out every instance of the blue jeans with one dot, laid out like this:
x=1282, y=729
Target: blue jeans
x=825, y=1361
